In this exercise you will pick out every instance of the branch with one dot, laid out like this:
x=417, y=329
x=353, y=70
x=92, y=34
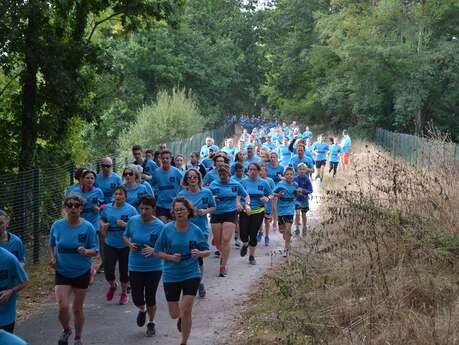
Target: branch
x=9, y=82
x=100, y=22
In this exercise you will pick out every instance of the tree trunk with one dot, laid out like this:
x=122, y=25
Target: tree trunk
x=29, y=92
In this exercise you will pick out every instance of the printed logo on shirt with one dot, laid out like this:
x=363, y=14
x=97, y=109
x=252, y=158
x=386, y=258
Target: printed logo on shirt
x=113, y=185
x=3, y=274
x=234, y=189
x=124, y=217
x=261, y=188
x=82, y=238
x=172, y=179
x=205, y=200
x=193, y=245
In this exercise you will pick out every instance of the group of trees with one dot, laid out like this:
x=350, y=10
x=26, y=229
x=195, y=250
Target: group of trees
x=76, y=75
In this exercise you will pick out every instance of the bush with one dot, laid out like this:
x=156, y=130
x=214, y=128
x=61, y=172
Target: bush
x=173, y=116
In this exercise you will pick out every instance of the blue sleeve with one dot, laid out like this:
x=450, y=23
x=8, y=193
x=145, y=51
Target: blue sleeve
x=161, y=242
x=19, y=275
x=103, y=215
x=268, y=190
x=241, y=190
x=202, y=243
x=133, y=212
x=206, y=180
x=148, y=189
x=93, y=242
x=211, y=200
x=52, y=238
x=21, y=253
x=308, y=188
x=127, y=229
x=310, y=164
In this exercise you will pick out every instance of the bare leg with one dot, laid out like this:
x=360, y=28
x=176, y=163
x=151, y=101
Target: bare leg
x=78, y=314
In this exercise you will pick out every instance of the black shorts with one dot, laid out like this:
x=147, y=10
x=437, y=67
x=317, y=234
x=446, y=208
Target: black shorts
x=227, y=217
x=187, y=287
x=163, y=212
x=80, y=282
x=281, y=220
x=303, y=209
x=320, y=164
x=8, y=328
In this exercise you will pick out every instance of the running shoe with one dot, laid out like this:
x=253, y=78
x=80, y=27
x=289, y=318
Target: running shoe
x=110, y=292
x=151, y=331
x=237, y=243
x=252, y=260
x=179, y=325
x=297, y=232
x=284, y=253
x=244, y=250
x=124, y=299
x=101, y=268
x=141, y=318
x=267, y=242
x=202, y=290
x=259, y=236
x=217, y=253
x=77, y=342
x=64, y=338
x=222, y=273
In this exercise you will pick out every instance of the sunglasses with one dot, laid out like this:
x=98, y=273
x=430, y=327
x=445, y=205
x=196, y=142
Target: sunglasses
x=128, y=174
x=73, y=205
x=192, y=177
x=106, y=166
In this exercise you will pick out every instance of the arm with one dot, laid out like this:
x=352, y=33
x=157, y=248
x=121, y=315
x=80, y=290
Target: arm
x=290, y=147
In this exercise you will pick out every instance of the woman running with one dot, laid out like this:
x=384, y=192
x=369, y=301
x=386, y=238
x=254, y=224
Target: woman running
x=135, y=189
x=335, y=154
x=227, y=195
x=219, y=160
x=72, y=244
x=250, y=221
x=181, y=245
x=114, y=218
x=179, y=162
x=239, y=158
x=238, y=177
x=320, y=149
x=145, y=269
x=204, y=204
x=268, y=218
x=194, y=163
x=285, y=193
x=10, y=241
x=302, y=199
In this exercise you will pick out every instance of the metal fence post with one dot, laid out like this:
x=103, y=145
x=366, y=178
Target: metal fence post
x=36, y=216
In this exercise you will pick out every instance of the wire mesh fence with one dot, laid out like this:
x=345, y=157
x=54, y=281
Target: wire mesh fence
x=33, y=198
x=420, y=152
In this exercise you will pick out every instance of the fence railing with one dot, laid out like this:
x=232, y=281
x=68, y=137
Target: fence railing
x=421, y=152
x=33, y=198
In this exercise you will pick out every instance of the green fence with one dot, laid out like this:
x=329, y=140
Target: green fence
x=421, y=152
x=33, y=198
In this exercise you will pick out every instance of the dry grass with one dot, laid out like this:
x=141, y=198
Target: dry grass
x=381, y=268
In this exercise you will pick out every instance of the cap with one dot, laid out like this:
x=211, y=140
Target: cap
x=250, y=146
x=213, y=148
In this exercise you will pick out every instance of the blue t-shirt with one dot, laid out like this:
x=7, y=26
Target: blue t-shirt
x=7, y=338
x=212, y=175
x=207, y=163
x=226, y=194
x=74, y=188
x=269, y=204
x=15, y=246
x=108, y=184
x=172, y=242
x=286, y=202
x=321, y=150
x=335, y=151
x=254, y=159
x=135, y=193
x=302, y=199
x=166, y=184
x=269, y=146
x=110, y=215
x=274, y=172
x=257, y=189
x=94, y=198
x=149, y=167
x=230, y=151
x=284, y=155
x=238, y=179
x=295, y=161
x=66, y=239
x=143, y=234
x=346, y=144
x=307, y=135
x=11, y=274
x=200, y=200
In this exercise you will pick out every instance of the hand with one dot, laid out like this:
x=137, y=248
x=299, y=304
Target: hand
x=96, y=209
x=299, y=190
x=147, y=251
x=5, y=295
x=201, y=211
x=132, y=246
x=280, y=194
x=52, y=263
x=195, y=253
x=146, y=177
x=82, y=251
x=121, y=223
x=176, y=257
x=239, y=207
x=247, y=209
x=264, y=199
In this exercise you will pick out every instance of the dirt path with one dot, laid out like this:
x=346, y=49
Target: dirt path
x=110, y=323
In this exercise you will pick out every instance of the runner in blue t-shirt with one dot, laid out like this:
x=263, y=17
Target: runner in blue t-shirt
x=166, y=183
x=135, y=189
x=72, y=244
x=180, y=245
x=145, y=269
x=148, y=165
x=269, y=212
x=107, y=180
x=250, y=221
x=204, y=204
x=227, y=195
x=320, y=149
x=285, y=193
x=239, y=158
x=284, y=152
x=219, y=159
x=13, y=279
x=335, y=154
x=114, y=218
x=302, y=198
x=301, y=157
x=10, y=241
x=273, y=168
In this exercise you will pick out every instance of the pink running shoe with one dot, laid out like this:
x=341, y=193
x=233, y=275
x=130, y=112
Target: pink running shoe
x=124, y=299
x=110, y=292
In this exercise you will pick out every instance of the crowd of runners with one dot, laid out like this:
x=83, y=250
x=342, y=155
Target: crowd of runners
x=154, y=221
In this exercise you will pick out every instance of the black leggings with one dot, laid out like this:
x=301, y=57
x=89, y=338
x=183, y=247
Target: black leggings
x=144, y=286
x=113, y=255
x=249, y=226
x=333, y=166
